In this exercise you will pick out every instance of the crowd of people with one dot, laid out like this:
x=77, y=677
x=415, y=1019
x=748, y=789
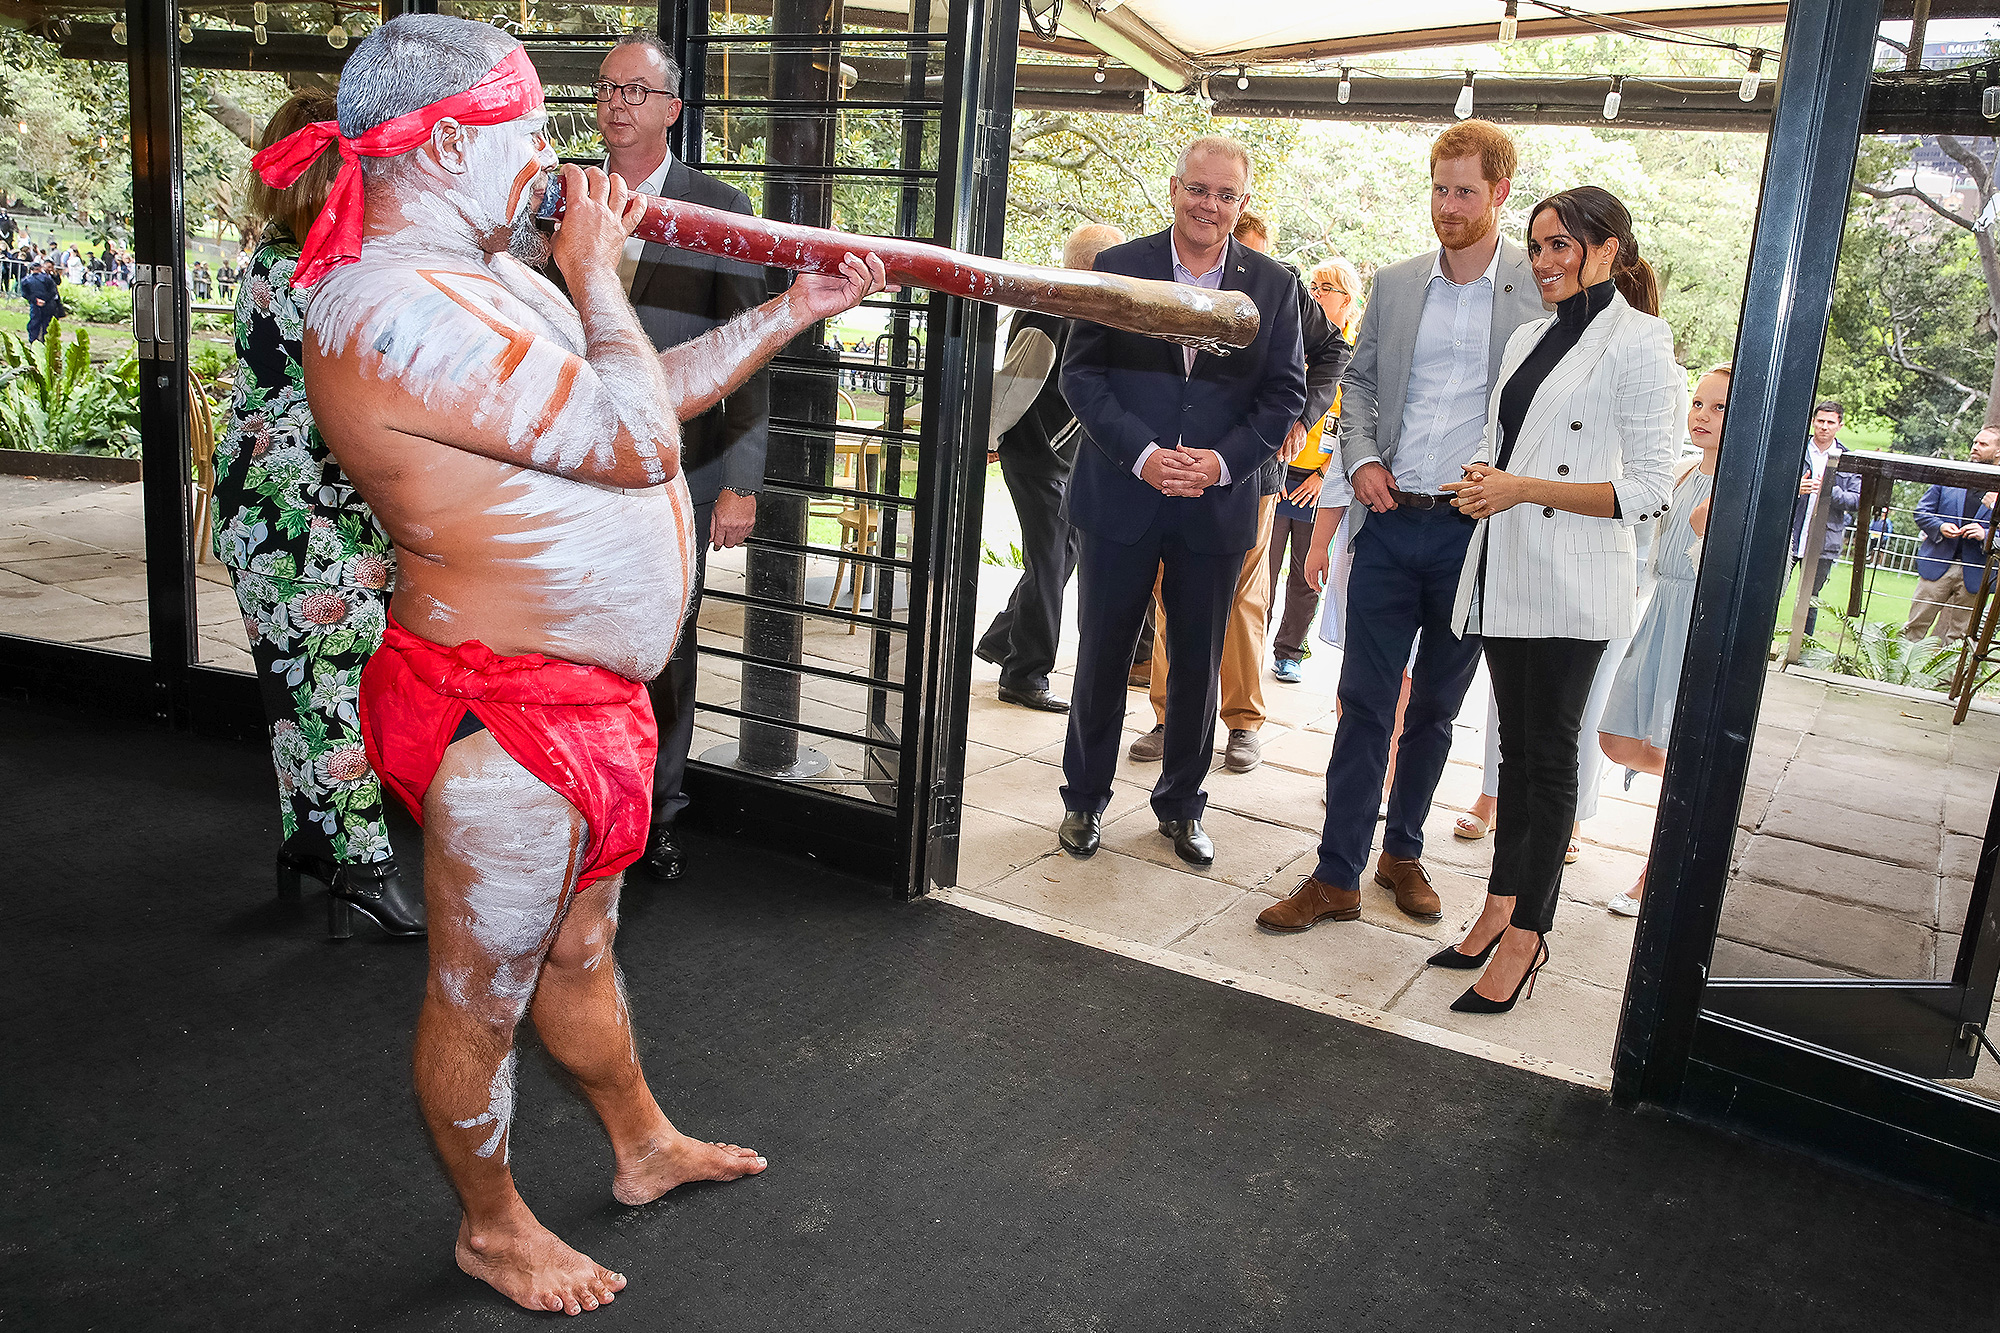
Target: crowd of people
x=25, y=264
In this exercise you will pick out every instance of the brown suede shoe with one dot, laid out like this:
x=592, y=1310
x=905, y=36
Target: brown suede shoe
x=1411, y=885
x=1311, y=903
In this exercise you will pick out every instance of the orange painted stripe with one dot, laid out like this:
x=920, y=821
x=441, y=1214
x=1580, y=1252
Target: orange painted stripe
x=519, y=341
x=565, y=381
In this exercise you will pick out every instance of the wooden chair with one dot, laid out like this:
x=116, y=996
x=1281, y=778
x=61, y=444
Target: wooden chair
x=201, y=447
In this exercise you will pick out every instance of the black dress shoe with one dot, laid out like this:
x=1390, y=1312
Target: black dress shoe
x=1040, y=699
x=376, y=891
x=1190, y=843
x=664, y=858
x=1080, y=833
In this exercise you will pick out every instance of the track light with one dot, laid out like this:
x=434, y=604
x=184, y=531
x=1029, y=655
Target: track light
x=1464, y=108
x=1752, y=77
x=1510, y=22
x=1346, y=89
x=1099, y=76
x=1242, y=78
x=1615, y=98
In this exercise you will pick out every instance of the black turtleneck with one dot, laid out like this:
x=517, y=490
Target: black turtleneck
x=1573, y=316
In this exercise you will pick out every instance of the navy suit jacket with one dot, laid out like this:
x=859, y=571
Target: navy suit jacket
x=1947, y=504
x=1129, y=391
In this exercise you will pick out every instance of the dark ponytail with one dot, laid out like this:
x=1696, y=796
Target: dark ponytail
x=1594, y=215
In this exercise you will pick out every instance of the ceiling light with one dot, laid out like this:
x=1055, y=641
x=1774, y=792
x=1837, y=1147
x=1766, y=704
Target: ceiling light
x=1615, y=98
x=1346, y=89
x=336, y=37
x=1242, y=78
x=1099, y=76
x=1464, y=107
x=1510, y=22
x=118, y=32
x=1747, y=90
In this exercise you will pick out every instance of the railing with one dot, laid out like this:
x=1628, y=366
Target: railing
x=1867, y=555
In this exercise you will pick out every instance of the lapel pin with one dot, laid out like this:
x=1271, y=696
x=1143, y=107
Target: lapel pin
x=1508, y=288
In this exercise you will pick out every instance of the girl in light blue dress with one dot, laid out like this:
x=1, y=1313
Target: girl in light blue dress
x=1639, y=715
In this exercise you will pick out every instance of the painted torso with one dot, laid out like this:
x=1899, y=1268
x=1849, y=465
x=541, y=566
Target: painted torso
x=521, y=559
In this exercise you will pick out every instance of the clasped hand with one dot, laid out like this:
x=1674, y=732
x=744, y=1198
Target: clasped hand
x=1181, y=471
x=1485, y=491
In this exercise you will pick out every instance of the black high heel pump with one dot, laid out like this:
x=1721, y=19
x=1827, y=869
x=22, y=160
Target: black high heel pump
x=375, y=890
x=1472, y=1002
x=1451, y=957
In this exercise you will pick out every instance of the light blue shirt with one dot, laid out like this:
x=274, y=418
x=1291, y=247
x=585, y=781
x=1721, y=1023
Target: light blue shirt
x=1444, y=408
x=1213, y=281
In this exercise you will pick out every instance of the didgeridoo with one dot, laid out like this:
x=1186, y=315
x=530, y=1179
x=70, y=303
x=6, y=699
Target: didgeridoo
x=1218, y=321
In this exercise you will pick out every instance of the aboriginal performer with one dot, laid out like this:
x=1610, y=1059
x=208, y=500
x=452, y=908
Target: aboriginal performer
x=523, y=455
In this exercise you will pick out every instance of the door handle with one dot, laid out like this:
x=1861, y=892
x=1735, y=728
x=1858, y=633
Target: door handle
x=166, y=316
x=142, y=308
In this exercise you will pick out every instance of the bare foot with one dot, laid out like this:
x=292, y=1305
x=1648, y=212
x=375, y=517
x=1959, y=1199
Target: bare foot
x=530, y=1266
x=669, y=1158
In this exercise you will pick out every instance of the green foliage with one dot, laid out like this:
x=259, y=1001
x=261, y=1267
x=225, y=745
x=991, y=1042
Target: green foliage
x=97, y=305
x=1876, y=650
x=53, y=401
x=1011, y=558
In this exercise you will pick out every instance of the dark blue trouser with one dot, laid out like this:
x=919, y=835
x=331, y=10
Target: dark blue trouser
x=1114, y=587
x=1403, y=584
x=673, y=692
x=38, y=324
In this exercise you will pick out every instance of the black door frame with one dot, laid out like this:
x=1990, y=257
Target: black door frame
x=1676, y=1050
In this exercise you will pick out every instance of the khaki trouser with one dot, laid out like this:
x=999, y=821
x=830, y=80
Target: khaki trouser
x=1944, y=599
x=1242, y=642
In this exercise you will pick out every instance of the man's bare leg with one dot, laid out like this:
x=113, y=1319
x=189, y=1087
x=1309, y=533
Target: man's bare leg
x=580, y=1011
x=500, y=848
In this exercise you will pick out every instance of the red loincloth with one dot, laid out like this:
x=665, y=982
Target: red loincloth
x=585, y=731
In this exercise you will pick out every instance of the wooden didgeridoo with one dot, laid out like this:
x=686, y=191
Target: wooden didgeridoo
x=1218, y=321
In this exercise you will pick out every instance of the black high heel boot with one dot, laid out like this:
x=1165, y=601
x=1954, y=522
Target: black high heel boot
x=294, y=866
x=1451, y=957
x=376, y=891
x=1472, y=1002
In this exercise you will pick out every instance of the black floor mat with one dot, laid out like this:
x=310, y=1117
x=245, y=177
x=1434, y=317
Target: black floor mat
x=970, y=1126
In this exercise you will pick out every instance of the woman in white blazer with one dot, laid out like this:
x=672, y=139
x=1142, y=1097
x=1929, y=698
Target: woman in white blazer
x=1580, y=441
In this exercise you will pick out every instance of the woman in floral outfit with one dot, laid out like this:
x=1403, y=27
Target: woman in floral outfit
x=312, y=571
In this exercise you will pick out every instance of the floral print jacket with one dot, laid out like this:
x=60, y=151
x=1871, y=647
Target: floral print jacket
x=287, y=516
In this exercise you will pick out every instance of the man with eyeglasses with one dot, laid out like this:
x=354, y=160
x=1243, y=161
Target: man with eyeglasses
x=679, y=296
x=1167, y=486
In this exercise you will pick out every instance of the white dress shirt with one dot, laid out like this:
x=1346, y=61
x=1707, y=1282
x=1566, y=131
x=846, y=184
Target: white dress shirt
x=1444, y=407
x=1213, y=281
x=1816, y=460
x=628, y=262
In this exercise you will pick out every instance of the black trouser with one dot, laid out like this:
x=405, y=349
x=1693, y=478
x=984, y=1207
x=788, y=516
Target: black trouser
x=1289, y=531
x=673, y=692
x=1022, y=638
x=1540, y=689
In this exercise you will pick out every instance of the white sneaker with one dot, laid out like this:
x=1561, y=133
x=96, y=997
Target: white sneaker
x=1623, y=904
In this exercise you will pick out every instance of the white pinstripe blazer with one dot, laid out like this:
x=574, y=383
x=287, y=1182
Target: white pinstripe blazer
x=1607, y=412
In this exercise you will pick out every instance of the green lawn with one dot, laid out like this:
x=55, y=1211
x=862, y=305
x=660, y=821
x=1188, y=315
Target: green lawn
x=1886, y=596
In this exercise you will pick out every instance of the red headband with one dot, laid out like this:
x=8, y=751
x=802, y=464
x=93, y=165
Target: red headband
x=508, y=91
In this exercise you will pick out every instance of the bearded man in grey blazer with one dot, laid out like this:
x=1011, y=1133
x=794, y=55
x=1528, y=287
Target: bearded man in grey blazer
x=679, y=296
x=1413, y=413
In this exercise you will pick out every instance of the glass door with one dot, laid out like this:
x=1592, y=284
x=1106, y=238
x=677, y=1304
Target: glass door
x=1817, y=958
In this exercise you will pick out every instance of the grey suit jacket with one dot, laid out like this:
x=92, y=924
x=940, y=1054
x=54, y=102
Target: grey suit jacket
x=680, y=295
x=1378, y=378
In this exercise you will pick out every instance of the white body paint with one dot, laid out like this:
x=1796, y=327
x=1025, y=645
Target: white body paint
x=499, y=1112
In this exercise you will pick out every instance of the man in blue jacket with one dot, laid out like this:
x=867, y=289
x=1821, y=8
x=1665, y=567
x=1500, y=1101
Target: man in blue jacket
x=42, y=290
x=1822, y=462
x=1167, y=482
x=1951, y=562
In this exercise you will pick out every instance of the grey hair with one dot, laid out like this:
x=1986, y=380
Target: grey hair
x=1221, y=145
x=651, y=41
x=1082, y=246
x=409, y=63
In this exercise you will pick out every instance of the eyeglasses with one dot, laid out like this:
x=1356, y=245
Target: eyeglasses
x=1201, y=192
x=635, y=94
x=1328, y=288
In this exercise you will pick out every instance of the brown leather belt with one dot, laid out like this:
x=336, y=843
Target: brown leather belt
x=1416, y=501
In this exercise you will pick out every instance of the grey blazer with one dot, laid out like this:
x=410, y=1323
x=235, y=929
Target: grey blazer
x=1377, y=379
x=680, y=295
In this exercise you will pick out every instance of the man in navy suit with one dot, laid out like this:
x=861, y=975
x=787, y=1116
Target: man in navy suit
x=1951, y=562
x=1167, y=482
x=1822, y=461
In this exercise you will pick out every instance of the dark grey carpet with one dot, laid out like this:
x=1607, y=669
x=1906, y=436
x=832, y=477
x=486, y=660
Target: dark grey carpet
x=208, y=1123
